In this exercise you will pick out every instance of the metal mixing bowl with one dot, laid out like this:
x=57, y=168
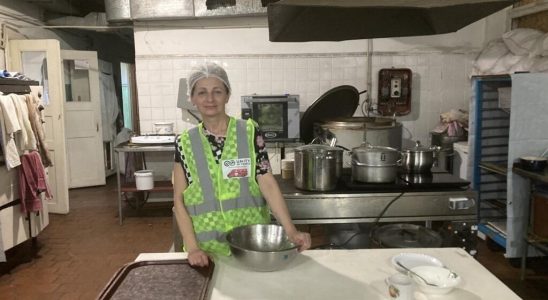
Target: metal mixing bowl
x=261, y=247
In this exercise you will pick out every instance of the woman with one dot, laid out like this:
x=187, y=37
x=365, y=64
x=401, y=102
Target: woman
x=221, y=174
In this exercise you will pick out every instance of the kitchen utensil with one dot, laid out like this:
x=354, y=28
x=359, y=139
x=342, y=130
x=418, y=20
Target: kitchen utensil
x=418, y=159
x=261, y=247
x=351, y=132
x=533, y=163
x=415, y=274
x=374, y=164
x=442, y=280
x=159, y=279
x=412, y=260
x=317, y=167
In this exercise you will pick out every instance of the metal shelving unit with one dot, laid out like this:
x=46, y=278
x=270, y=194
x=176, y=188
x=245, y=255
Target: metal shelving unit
x=490, y=133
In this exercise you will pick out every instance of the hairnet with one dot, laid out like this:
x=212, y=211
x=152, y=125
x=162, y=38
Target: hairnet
x=209, y=69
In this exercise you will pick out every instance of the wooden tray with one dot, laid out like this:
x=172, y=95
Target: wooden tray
x=161, y=279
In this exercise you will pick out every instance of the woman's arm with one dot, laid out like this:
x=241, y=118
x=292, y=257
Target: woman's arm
x=271, y=192
x=195, y=255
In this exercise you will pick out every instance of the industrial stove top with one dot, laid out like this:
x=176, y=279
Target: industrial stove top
x=435, y=181
x=432, y=181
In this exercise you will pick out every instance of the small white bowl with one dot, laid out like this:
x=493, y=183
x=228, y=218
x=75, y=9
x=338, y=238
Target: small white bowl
x=439, y=276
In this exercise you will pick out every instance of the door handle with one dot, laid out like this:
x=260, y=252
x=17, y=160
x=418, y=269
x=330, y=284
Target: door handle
x=97, y=125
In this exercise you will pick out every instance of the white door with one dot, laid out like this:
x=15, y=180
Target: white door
x=84, y=136
x=41, y=60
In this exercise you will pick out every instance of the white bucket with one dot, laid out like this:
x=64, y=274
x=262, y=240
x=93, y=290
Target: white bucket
x=144, y=180
x=163, y=127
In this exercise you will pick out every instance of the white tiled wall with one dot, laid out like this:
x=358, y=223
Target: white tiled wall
x=440, y=82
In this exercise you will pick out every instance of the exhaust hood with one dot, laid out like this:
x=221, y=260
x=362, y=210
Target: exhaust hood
x=338, y=20
x=137, y=10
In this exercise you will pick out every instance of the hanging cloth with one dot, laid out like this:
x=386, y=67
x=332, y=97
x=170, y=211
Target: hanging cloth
x=10, y=125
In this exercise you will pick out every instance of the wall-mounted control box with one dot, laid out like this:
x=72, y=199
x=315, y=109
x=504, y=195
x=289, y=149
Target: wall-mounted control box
x=394, y=92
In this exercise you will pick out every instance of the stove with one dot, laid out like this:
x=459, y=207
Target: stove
x=438, y=197
x=432, y=181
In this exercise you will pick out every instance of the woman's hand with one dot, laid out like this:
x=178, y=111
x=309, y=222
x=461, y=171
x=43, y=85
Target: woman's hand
x=302, y=239
x=198, y=258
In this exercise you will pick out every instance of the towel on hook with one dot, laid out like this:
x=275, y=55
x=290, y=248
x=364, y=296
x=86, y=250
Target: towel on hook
x=27, y=141
x=32, y=182
x=9, y=124
x=36, y=124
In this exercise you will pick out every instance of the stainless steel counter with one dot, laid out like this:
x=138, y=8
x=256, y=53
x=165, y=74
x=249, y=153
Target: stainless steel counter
x=361, y=206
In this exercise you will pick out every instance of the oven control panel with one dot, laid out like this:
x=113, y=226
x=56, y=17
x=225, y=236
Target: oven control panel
x=394, y=92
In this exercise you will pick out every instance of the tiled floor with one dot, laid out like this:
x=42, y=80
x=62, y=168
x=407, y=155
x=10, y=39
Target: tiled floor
x=78, y=253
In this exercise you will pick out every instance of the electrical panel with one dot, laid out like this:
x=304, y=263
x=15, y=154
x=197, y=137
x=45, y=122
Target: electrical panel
x=394, y=92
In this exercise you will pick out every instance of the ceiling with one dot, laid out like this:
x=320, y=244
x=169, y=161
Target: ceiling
x=76, y=8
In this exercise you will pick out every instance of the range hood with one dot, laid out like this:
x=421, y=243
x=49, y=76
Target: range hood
x=145, y=10
x=338, y=20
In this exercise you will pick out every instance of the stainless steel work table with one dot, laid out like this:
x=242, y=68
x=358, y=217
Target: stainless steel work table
x=159, y=186
x=351, y=206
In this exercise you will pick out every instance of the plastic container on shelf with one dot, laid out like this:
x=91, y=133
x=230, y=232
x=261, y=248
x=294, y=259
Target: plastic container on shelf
x=144, y=179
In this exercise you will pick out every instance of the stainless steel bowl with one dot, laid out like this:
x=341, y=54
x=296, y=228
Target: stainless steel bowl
x=262, y=248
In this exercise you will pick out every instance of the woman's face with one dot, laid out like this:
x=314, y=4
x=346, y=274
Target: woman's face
x=210, y=96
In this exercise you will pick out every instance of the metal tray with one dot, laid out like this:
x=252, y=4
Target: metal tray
x=161, y=279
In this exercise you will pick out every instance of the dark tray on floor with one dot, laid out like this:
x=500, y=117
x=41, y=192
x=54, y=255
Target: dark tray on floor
x=160, y=279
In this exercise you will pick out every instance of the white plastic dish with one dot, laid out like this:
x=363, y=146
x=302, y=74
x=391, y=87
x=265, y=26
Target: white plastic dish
x=412, y=260
x=443, y=279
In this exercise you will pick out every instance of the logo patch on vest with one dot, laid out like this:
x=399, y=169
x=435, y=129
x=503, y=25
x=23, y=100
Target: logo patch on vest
x=236, y=168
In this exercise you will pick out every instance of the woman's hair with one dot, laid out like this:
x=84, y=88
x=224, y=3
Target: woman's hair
x=206, y=70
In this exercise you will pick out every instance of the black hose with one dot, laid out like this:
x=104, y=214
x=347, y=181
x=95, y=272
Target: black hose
x=375, y=224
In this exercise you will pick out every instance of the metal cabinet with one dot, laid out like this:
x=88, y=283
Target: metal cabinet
x=489, y=133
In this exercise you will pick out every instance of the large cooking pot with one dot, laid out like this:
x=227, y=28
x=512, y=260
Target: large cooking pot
x=418, y=159
x=317, y=167
x=352, y=132
x=374, y=164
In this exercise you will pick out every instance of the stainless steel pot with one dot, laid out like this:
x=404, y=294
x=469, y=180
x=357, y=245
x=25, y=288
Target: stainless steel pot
x=418, y=159
x=374, y=164
x=317, y=167
x=352, y=132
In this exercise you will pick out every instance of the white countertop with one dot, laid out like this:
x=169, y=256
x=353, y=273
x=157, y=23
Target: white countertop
x=343, y=274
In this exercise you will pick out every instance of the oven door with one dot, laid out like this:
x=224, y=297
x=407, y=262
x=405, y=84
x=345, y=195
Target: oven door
x=272, y=118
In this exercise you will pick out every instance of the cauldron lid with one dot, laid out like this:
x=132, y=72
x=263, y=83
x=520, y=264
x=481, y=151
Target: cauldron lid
x=406, y=236
x=341, y=101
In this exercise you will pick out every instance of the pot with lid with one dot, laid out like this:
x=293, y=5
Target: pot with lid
x=351, y=132
x=374, y=164
x=317, y=167
x=418, y=159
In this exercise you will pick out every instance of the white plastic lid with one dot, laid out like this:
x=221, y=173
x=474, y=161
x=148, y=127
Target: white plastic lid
x=143, y=173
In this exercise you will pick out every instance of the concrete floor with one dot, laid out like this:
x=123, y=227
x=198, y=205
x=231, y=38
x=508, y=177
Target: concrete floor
x=78, y=253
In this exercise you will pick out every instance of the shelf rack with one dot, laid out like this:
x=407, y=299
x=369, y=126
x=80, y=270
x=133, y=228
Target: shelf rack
x=159, y=185
x=490, y=154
